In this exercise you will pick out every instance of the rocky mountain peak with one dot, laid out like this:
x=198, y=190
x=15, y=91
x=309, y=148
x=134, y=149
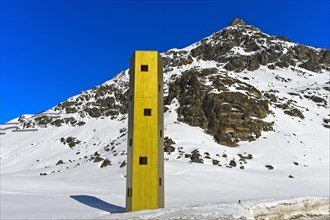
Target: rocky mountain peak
x=200, y=80
x=237, y=21
x=243, y=47
x=240, y=47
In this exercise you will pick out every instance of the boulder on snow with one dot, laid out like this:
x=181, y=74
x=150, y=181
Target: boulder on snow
x=270, y=167
x=123, y=164
x=59, y=162
x=106, y=163
x=168, y=145
x=195, y=157
x=232, y=163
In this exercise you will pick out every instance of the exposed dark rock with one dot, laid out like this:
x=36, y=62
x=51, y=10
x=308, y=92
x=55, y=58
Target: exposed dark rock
x=316, y=99
x=71, y=110
x=237, y=21
x=176, y=59
x=168, y=145
x=326, y=122
x=232, y=163
x=43, y=120
x=98, y=159
x=71, y=141
x=168, y=140
x=103, y=105
x=327, y=88
x=123, y=164
x=169, y=149
x=59, y=162
x=294, y=94
x=281, y=79
x=81, y=123
x=94, y=112
x=294, y=112
x=57, y=122
x=270, y=167
x=215, y=162
x=105, y=163
x=122, y=130
x=229, y=116
x=290, y=176
x=196, y=157
x=270, y=96
x=22, y=118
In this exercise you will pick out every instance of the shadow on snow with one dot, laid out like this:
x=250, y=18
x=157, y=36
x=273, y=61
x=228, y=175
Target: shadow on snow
x=98, y=203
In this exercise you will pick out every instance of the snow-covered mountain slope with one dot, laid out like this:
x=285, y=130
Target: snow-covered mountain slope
x=246, y=117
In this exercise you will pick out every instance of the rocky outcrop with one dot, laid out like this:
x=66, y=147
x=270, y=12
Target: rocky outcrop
x=168, y=145
x=59, y=162
x=229, y=116
x=108, y=100
x=173, y=58
x=105, y=163
x=195, y=157
x=71, y=141
x=44, y=121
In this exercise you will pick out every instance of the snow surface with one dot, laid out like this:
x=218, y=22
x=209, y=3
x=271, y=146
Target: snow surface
x=26, y=194
x=303, y=208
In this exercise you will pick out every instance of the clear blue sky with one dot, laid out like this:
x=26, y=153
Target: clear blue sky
x=52, y=50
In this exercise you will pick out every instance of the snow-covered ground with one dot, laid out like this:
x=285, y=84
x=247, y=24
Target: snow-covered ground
x=87, y=191
x=298, y=208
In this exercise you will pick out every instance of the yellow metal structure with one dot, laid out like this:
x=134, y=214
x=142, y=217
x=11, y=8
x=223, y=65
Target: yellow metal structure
x=145, y=144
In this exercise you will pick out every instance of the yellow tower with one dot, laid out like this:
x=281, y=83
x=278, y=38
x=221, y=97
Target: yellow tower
x=145, y=142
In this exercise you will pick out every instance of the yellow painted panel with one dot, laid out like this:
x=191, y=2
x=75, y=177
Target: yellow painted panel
x=146, y=83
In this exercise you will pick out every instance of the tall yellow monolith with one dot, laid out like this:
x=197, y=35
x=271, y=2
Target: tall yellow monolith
x=145, y=142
